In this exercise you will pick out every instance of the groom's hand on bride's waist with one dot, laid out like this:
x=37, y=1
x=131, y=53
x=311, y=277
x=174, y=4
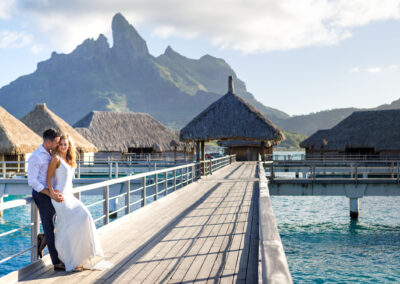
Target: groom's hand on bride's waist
x=58, y=196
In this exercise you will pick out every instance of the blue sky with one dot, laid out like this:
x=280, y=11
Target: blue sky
x=299, y=56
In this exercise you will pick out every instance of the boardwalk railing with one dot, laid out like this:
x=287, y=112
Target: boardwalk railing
x=273, y=267
x=322, y=169
x=151, y=186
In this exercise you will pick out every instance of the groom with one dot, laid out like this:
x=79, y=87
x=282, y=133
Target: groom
x=38, y=163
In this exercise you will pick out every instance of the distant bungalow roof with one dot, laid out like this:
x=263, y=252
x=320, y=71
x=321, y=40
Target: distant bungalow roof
x=231, y=118
x=112, y=131
x=16, y=137
x=42, y=118
x=363, y=129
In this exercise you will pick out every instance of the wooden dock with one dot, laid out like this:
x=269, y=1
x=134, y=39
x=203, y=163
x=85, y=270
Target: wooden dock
x=208, y=232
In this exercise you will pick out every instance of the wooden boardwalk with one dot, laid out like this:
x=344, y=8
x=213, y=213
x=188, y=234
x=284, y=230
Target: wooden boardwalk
x=206, y=232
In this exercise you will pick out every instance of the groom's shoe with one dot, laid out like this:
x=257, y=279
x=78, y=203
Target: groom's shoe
x=59, y=266
x=41, y=244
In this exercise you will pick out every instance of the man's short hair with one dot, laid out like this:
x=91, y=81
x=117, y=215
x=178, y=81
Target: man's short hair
x=50, y=134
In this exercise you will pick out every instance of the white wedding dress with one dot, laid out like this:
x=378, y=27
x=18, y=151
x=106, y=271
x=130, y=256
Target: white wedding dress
x=76, y=239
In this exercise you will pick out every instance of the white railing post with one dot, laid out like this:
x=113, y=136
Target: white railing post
x=156, y=185
x=106, y=209
x=144, y=193
x=211, y=167
x=116, y=170
x=79, y=169
x=166, y=182
x=128, y=197
x=35, y=229
x=181, y=177
x=110, y=170
x=193, y=172
x=174, y=173
x=4, y=169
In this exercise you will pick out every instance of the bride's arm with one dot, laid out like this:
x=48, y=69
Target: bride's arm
x=54, y=163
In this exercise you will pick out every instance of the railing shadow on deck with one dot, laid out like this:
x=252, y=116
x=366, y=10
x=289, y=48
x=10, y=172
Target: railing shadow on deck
x=188, y=174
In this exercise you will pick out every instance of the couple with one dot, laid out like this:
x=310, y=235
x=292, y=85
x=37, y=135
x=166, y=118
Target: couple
x=73, y=241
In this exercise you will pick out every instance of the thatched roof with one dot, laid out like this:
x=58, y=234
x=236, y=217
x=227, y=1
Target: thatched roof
x=42, y=118
x=112, y=131
x=16, y=137
x=363, y=129
x=243, y=143
x=231, y=118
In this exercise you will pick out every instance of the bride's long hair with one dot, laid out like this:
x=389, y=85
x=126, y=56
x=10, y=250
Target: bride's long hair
x=71, y=152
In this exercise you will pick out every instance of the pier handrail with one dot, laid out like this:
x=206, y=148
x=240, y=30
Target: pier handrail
x=273, y=267
x=181, y=176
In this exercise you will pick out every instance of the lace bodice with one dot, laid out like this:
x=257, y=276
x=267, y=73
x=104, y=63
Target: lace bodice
x=64, y=175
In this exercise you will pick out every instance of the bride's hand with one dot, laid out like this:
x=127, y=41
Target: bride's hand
x=58, y=196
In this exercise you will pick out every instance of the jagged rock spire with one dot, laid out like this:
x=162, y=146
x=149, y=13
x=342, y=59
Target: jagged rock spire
x=127, y=40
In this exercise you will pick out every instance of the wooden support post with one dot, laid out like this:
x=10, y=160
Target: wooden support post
x=35, y=229
x=211, y=167
x=263, y=151
x=128, y=197
x=19, y=163
x=144, y=191
x=203, y=157
x=193, y=172
x=166, y=183
x=198, y=151
x=3, y=165
x=392, y=170
x=79, y=169
x=106, y=206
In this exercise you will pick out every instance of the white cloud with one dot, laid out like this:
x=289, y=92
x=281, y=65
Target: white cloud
x=249, y=26
x=12, y=39
x=6, y=7
x=374, y=70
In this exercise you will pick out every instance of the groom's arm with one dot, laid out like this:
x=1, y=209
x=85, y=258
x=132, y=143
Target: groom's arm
x=33, y=172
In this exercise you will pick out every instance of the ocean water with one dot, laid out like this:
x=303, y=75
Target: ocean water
x=323, y=245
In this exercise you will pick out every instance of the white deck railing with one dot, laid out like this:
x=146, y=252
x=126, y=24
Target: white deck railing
x=162, y=182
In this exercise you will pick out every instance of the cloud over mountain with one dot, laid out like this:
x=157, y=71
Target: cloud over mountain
x=248, y=26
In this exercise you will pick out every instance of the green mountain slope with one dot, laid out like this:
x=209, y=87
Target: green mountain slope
x=95, y=76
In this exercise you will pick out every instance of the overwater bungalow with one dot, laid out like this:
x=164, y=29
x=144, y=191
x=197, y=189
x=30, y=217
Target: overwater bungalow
x=364, y=134
x=17, y=141
x=245, y=150
x=119, y=134
x=231, y=118
x=42, y=118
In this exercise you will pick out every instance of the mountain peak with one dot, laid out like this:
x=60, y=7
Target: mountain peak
x=127, y=41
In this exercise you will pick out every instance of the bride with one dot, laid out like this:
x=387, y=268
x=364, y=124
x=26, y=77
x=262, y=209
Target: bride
x=76, y=239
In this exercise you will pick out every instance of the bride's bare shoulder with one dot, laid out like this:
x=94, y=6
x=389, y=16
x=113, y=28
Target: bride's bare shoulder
x=55, y=159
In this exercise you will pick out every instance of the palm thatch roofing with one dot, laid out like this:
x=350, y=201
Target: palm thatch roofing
x=112, y=131
x=363, y=129
x=231, y=118
x=242, y=143
x=16, y=137
x=42, y=118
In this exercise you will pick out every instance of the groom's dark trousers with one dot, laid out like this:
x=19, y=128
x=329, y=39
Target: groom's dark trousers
x=47, y=213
